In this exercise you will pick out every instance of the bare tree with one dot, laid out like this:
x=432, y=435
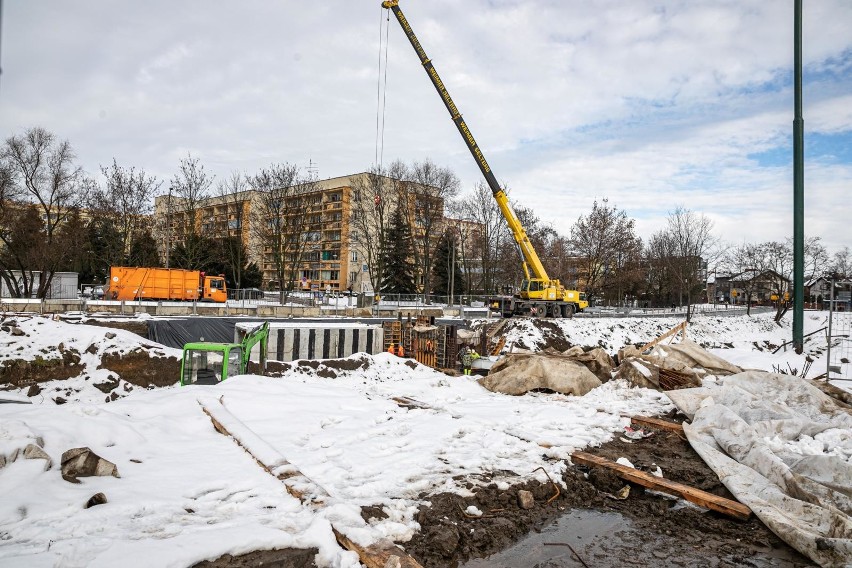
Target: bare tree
x=749, y=261
x=435, y=186
x=690, y=244
x=234, y=195
x=481, y=208
x=375, y=197
x=39, y=171
x=124, y=202
x=816, y=258
x=842, y=263
x=602, y=239
x=189, y=188
x=286, y=221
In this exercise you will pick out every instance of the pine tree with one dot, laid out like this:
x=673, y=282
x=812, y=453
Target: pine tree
x=441, y=273
x=143, y=250
x=396, y=256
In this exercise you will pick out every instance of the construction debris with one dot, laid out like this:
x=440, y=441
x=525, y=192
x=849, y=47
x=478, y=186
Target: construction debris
x=782, y=447
x=517, y=374
x=697, y=496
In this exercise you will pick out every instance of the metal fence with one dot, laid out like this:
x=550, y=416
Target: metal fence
x=839, y=359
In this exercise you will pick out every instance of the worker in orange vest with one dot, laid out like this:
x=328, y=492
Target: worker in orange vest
x=392, y=349
x=400, y=351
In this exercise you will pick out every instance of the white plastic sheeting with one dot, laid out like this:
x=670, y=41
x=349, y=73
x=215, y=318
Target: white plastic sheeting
x=783, y=448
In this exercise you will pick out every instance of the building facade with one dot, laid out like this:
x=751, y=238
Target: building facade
x=322, y=232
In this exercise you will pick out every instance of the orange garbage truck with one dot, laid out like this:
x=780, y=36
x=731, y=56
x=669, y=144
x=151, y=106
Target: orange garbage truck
x=133, y=283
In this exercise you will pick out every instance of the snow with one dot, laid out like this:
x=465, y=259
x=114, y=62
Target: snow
x=188, y=493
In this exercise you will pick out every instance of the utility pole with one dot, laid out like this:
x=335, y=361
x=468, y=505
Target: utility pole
x=798, y=188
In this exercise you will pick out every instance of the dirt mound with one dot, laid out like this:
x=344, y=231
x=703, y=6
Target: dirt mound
x=138, y=367
x=19, y=373
x=140, y=328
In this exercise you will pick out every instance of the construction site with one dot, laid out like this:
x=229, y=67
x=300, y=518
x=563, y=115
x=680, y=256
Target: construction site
x=161, y=420
x=555, y=451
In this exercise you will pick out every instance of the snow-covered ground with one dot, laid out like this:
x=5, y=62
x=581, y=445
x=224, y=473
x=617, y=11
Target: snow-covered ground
x=187, y=493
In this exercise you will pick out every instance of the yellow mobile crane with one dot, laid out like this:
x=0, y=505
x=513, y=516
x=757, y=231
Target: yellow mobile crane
x=539, y=295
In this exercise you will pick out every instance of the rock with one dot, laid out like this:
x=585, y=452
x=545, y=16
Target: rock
x=17, y=331
x=83, y=462
x=109, y=335
x=393, y=562
x=5, y=328
x=96, y=499
x=59, y=400
x=525, y=499
x=34, y=452
x=108, y=386
x=33, y=390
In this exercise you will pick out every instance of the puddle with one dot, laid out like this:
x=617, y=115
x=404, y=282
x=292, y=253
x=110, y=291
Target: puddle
x=590, y=533
x=610, y=540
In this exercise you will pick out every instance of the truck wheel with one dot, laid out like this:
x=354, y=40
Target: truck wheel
x=568, y=310
x=555, y=311
x=538, y=311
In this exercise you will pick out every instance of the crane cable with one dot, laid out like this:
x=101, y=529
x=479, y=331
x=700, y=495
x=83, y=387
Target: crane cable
x=381, y=92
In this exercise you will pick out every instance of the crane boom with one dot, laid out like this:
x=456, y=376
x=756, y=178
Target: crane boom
x=532, y=264
x=539, y=295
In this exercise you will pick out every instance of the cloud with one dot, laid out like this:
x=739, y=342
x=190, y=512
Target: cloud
x=651, y=104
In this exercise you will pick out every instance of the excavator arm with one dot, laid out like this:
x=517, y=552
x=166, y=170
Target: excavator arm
x=533, y=269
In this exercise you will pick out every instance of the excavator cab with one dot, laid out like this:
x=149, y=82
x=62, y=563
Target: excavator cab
x=208, y=363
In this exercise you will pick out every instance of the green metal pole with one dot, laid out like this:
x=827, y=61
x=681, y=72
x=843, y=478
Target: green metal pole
x=798, y=189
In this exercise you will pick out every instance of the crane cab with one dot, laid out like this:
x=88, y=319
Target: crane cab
x=540, y=289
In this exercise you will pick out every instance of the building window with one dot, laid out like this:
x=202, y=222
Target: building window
x=354, y=257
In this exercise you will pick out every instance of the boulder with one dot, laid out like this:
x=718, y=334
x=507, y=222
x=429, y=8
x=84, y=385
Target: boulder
x=83, y=462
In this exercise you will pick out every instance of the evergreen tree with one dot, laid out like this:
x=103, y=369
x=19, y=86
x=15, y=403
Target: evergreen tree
x=104, y=251
x=397, y=257
x=442, y=272
x=193, y=253
x=143, y=250
x=252, y=277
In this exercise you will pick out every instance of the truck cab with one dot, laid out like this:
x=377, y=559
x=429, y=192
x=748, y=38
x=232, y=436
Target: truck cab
x=213, y=289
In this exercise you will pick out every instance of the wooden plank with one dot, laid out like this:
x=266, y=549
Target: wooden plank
x=380, y=555
x=679, y=327
x=704, y=499
x=658, y=423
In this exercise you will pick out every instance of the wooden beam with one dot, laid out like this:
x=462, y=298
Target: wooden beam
x=707, y=500
x=379, y=555
x=657, y=423
x=679, y=327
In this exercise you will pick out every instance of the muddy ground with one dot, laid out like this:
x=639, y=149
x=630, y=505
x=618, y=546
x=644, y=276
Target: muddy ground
x=662, y=531
x=650, y=529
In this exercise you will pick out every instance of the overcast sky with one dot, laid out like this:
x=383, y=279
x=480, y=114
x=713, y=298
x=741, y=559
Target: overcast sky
x=649, y=104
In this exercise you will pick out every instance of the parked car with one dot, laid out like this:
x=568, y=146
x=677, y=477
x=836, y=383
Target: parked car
x=92, y=292
x=249, y=294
